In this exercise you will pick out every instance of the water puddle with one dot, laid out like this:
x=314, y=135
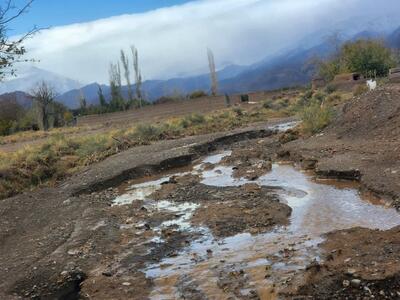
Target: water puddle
x=242, y=265
x=284, y=126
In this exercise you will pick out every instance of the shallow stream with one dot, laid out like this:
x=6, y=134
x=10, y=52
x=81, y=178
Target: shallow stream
x=263, y=263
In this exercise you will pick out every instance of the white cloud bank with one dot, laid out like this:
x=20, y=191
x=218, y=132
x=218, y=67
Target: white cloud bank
x=172, y=41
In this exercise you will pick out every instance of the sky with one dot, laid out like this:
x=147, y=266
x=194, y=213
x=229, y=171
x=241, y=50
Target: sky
x=50, y=13
x=172, y=36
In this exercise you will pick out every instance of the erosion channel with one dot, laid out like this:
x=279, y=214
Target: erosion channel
x=215, y=230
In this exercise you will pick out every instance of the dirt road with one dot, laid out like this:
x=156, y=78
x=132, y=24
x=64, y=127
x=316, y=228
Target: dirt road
x=250, y=214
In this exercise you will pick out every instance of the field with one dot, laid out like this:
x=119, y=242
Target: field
x=94, y=124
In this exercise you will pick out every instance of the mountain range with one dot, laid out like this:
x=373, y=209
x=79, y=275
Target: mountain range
x=288, y=68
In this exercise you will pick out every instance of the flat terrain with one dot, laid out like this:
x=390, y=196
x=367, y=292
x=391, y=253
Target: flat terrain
x=94, y=124
x=175, y=109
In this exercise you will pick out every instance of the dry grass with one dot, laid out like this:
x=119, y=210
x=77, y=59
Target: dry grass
x=63, y=154
x=25, y=136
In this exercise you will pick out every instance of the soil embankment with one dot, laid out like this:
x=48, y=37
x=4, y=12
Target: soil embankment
x=361, y=144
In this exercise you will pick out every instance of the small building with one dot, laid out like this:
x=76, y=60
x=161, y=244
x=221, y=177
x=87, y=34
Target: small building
x=347, y=81
x=348, y=77
x=394, y=75
x=318, y=82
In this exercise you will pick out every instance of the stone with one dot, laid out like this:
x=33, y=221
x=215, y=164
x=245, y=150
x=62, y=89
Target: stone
x=346, y=283
x=356, y=283
x=351, y=272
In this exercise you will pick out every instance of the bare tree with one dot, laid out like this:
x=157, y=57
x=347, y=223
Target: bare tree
x=125, y=64
x=213, y=73
x=43, y=97
x=11, y=51
x=138, y=75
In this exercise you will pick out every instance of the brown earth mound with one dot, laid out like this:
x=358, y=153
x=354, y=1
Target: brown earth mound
x=361, y=143
x=358, y=264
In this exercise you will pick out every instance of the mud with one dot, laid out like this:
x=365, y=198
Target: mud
x=229, y=210
x=171, y=221
x=357, y=264
x=257, y=264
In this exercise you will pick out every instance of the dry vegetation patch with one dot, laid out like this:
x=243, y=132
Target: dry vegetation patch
x=63, y=155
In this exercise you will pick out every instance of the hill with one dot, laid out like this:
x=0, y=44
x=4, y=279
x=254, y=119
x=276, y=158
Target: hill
x=29, y=77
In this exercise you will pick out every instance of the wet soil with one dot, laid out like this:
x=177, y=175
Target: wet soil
x=57, y=242
x=210, y=230
x=358, y=263
x=227, y=211
x=361, y=143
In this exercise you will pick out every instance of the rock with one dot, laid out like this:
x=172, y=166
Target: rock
x=346, y=283
x=356, y=283
x=126, y=283
x=351, y=272
x=107, y=273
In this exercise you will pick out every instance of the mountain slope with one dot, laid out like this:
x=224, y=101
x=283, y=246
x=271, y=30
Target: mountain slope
x=289, y=68
x=28, y=79
x=394, y=39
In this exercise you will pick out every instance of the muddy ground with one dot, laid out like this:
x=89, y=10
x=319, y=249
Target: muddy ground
x=362, y=144
x=227, y=211
x=68, y=242
x=72, y=242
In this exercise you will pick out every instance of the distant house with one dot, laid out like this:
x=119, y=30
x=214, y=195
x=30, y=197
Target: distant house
x=394, y=75
x=347, y=81
x=348, y=77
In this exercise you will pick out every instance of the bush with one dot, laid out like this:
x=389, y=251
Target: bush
x=198, y=94
x=148, y=132
x=238, y=111
x=5, y=127
x=318, y=97
x=359, y=89
x=315, y=117
x=362, y=56
x=333, y=98
x=329, y=89
x=191, y=120
x=282, y=103
x=268, y=104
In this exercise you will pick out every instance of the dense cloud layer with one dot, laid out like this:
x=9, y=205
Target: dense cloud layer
x=172, y=41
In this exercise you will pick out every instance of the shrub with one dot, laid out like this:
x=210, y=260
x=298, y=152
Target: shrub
x=5, y=127
x=282, y=103
x=91, y=145
x=268, y=104
x=330, y=88
x=238, y=111
x=148, y=132
x=315, y=117
x=333, y=98
x=193, y=119
x=361, y=56
x=318, y=97
x=359, y=89
x=198, y=94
